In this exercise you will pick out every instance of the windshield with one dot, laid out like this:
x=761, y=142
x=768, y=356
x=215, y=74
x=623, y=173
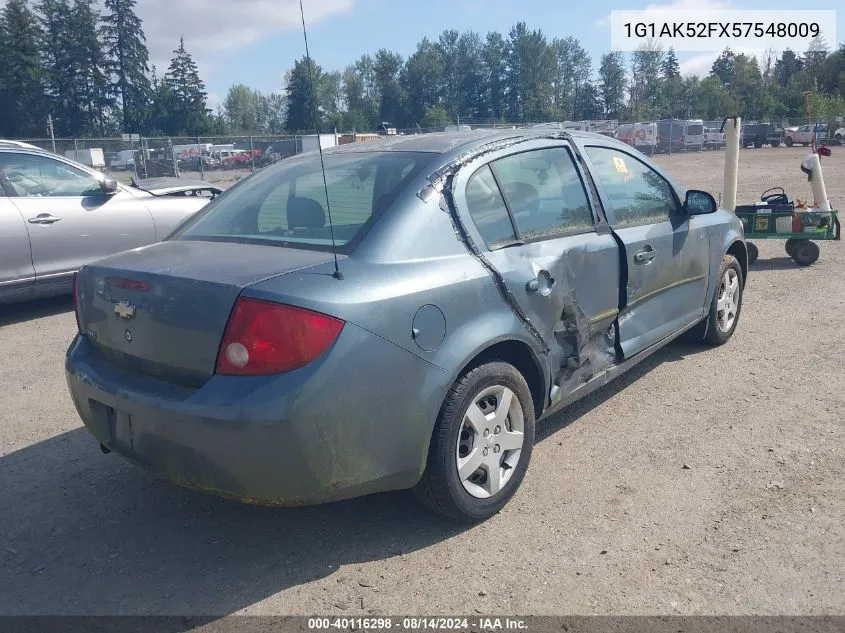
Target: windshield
x=694, y=130
x=285, y=204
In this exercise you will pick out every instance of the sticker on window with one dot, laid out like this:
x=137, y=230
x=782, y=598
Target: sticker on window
x=620, y=165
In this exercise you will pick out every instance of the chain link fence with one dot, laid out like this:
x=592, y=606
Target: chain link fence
x=227, y=158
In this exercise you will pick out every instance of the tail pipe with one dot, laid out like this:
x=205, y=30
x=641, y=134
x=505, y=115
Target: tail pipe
x=731, y=127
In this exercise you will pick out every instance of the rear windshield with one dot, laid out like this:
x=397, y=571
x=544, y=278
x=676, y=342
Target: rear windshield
x=285, y=204
x=695, y=130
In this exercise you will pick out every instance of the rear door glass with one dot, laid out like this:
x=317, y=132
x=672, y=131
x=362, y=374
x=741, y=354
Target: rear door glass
x=544, y=192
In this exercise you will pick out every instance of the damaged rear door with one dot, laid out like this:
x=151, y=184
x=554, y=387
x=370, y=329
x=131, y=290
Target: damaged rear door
x=530, y=207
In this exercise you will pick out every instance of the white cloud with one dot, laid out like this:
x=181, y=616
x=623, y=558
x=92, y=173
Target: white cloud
x=698, y=65
x=215, y=26
x=678, y=5
x=702, y=63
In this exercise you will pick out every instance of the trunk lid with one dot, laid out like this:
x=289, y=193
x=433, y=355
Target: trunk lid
x=162, y=310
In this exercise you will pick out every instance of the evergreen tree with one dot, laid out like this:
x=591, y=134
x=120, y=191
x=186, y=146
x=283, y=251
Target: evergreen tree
x=128, y=58
x=386, y=68
x=531, y=63
x=494, y=60
x=421, y=80
x=670, y=67
x=22, y=101
x=723, y=67
x=300, y=96
x=189, y=114
x=612, y=84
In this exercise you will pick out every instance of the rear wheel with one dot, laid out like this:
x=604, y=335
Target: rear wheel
x=804, y=252
x=481, y=444
x=753, y=252
x=775, y=143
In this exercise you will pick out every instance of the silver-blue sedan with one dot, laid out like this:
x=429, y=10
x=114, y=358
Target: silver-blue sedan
x=402, y=324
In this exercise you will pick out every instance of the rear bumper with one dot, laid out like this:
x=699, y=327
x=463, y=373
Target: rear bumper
x=355, y=422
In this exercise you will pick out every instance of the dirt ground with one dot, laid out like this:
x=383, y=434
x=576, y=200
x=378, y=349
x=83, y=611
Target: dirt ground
x=705, y=481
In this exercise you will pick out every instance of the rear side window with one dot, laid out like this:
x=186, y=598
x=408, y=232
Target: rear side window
x=487, y=209
x=543, y=192
x=636, y=193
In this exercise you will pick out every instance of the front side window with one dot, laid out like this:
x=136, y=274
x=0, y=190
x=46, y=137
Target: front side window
x=636, y=193
x=544, y=192
x=30, y=175
x=285, y=204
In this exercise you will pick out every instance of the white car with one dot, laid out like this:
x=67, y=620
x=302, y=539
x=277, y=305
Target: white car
x=713, y=138
x=804, y=134
x=56, y=215
x=839, y=134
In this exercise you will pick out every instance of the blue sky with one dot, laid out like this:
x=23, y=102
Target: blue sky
x=255, y=41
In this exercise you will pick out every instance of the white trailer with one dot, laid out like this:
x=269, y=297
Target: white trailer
x=309, y=142
x=92, y=157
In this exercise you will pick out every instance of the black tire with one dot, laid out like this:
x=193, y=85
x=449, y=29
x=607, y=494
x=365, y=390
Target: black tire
x=775, y=143
x=804, y=252
x=441, y=488
x=715, y=335
x=788, y=142
x=753, y=252
x=758, y=144
x=789, y=244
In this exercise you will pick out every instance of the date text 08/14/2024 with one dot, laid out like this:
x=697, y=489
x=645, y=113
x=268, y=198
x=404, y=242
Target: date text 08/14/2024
x=417, y=624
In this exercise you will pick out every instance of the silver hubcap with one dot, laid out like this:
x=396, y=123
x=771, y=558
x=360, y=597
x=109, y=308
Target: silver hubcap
x=490, y=441
x=728, y=302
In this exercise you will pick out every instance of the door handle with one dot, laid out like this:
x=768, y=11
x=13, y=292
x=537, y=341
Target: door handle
x=44, y=218
x=644, y=257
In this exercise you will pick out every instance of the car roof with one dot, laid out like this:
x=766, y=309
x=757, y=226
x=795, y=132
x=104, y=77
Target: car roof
x=7, y=144
x=449, y=142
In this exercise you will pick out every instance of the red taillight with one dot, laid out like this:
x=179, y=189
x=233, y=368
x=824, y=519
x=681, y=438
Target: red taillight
x=76, y=305
x=263, y=337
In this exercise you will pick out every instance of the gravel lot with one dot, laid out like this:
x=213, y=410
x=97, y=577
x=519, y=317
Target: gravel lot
x=705, y=481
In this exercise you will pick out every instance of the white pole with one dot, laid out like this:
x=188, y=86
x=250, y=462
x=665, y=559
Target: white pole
x=817, y=184
x=732, y=128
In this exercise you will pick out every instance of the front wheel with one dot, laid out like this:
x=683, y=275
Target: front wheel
x=481, y=444
x=788, y=142
x=727, y=303
x=775, y=143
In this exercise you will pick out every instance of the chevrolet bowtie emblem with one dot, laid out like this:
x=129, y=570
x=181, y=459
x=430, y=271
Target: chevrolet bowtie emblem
x=124, y=310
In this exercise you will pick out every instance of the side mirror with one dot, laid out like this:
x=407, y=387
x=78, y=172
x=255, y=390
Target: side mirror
x=699, y=203
x=109, y=185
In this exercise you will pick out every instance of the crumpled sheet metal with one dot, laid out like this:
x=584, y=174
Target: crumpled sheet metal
x=574, y=349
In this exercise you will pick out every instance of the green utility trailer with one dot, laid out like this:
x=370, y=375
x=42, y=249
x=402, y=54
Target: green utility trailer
x=777, y=218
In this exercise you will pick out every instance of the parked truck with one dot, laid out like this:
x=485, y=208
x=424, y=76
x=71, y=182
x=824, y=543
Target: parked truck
x=92, y=157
